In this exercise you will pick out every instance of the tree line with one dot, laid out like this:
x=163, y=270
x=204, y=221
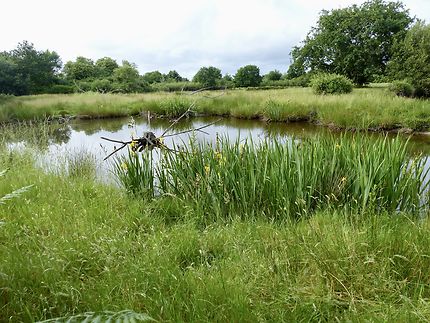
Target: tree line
x=377, y=41
x=26, y=70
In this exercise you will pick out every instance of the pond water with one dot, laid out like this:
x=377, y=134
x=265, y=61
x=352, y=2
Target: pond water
x=85, y=136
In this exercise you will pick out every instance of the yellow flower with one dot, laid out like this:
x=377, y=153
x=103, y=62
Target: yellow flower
x=161, y=140
x=207, y=169
x=337, y=146
x=133, y=145
x=124, y=166
x=220, y=157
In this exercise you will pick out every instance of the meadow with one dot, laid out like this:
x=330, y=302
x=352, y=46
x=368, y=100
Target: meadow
x=373, y=108
x=325, y=230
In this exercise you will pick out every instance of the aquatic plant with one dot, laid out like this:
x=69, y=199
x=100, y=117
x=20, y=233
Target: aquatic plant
x=279, y=180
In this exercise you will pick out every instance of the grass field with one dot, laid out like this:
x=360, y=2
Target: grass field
x=72, y=245
x=368, y=108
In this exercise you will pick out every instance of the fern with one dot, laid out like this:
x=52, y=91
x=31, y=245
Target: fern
x=105, y=316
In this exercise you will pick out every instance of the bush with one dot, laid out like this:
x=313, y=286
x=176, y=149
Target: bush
x=402, y=88
x=422, y=88
x=60, y=89
x=331, y=84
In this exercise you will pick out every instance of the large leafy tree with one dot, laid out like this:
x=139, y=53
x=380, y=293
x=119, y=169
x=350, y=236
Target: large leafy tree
x=26, y=70
x=248, y=75
x=173, y=76
x=105, y=67
x=208, y=76
x=127, y=79
x=153, y=77
x=11, y=81
x=411, y=59
x=355, y=41
x=83, y=68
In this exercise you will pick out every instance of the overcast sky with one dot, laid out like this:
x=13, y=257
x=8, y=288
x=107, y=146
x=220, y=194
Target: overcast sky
x=171, y=34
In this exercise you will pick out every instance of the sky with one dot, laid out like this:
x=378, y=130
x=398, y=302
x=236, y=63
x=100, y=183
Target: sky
x=171, y=34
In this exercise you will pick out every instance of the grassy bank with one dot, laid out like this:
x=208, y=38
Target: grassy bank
x=371, y=108
x=71, y=245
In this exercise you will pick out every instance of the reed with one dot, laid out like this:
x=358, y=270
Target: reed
x=286, y=180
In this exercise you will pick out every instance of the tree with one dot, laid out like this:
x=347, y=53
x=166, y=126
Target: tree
x=355, y=41
x=11, y=82
x=173, y=76
x=248, y=75
x=105, y=67
x=411, y=59
x=153, y=77
x=208, y=76
x=28, y=70
x=82, y=69
x=127, y=79
x=273, y=76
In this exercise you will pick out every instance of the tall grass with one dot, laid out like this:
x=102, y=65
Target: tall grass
x=371, y=108
x=71, y=245
x=280, y=180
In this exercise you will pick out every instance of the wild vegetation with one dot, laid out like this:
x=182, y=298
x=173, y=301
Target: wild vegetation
x=367, y=108
x=342, y=42
x=71, y=245
x=322, y=229
x=283, y=180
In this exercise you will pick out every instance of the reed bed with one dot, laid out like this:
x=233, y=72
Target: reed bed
x=284, y=179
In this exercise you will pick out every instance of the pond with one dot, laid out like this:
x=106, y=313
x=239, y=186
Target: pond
x=57, y=142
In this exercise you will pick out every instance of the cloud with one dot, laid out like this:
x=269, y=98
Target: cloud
x=167, y=34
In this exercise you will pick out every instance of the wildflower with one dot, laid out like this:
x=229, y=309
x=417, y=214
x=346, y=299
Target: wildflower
x=337, y=146
x=124, y=166
x=221, y=159
x=207, y=169
x=133, y=145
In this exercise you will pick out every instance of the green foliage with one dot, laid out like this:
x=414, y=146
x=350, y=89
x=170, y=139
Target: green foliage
x=176, y=86
x=15, y=194
x=208, y=76
x=247, y=76
x=331, y=84
x=102, y=85
x=105, y=67
x=104, y=316
x=280, y=180
x=175, y=106
x=411, y=59
x=174, y=76
x=355, y=41
x=60, y=89
x=11, y=81
x=402, y=88
x=76, y=246
x=82, y=69
x=272, y=76
x=153, y=77
x=25, y=70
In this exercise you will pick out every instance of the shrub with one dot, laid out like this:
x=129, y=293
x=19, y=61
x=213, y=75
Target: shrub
x=422, y=88
x=60, y=89
x=331, y=84
x=402, y=88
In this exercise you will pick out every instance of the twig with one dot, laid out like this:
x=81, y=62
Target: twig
x=191, y=130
